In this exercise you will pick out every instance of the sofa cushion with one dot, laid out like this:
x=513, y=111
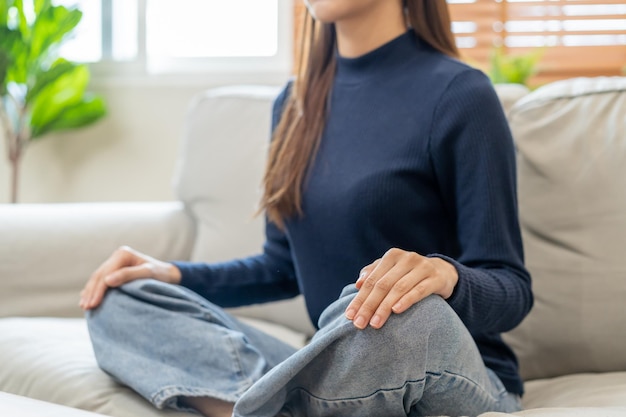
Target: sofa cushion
x=16, y=406
x=571, y=141
x=51, y=359
x=218, y=177
x=219, y=171
x=579, y=390
x=509, y=94
x=50, y=250
x=564, y=412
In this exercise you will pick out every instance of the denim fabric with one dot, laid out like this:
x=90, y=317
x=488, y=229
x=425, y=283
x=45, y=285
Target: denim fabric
x=420, y=363
x=165, y=341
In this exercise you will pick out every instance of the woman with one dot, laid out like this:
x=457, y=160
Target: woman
x=390, y=161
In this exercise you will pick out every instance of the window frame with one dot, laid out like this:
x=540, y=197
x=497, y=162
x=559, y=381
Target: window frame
x=140, y=66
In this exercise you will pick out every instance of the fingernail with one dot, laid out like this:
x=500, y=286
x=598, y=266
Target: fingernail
x=397, y=307
x=360, y=322
x=376, y=320
x=350, y=314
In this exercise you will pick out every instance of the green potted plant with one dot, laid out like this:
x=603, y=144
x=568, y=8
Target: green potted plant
x=505, y=68
x=40, y=92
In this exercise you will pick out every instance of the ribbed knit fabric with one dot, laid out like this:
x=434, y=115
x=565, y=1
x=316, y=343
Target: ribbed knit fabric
x=416, y=154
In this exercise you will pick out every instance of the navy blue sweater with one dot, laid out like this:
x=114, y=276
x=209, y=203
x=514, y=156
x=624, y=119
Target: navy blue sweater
x=416, y=154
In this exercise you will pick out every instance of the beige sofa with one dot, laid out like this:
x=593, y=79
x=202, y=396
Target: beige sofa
x=571, y=139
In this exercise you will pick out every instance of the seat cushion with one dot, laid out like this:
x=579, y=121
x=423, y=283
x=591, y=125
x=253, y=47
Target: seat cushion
x=51, y=359
x=579, y=390
x=565, y=412
x=582, y=395
x=571, y=141
x=16, y=406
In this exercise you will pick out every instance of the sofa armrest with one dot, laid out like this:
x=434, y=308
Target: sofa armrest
x=48, y=251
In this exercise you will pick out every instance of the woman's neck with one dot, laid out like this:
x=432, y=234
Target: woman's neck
x=364, y=33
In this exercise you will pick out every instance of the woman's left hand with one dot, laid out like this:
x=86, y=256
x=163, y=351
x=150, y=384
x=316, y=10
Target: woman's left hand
x=395, y=282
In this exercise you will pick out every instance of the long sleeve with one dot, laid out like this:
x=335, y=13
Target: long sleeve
x=473, y=156
x=262, y=278
x=266, y=277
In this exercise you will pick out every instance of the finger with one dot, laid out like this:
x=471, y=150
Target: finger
x=378, y=292
x=422, y=290
x=402, y=287
x=96, y=287
x=91, y=288
x=365, y=272
x=414, y=286
x=386, y=291
x=95, y=296
x=115, y=279
x=364, y=291
x=124, y=275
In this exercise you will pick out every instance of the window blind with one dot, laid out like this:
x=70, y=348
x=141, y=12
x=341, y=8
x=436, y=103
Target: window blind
x=579, y=37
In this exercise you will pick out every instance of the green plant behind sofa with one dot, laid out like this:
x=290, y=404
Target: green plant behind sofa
x=40, y=92
x=513, y=68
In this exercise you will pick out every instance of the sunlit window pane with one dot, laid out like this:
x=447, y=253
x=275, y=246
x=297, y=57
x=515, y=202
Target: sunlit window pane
x=85, y=45
x=212, y=28
x=108, y=30
x=125, y=18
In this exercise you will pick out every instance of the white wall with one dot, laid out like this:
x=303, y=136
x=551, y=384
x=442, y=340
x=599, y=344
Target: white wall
x=129, y=155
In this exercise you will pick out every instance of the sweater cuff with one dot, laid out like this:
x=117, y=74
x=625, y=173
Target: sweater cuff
x=188, y=278
x=460, y=287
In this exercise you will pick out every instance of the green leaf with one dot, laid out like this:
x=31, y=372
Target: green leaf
x=513, y=68
x=56, y=97
x=41, y=5
x=87, y=111
x=4, y=12
x=51, y=89
x=23, y=22
x=50, y=27
x=5, y=55
x=14, y=47
x=46, y=77
x=4, y=68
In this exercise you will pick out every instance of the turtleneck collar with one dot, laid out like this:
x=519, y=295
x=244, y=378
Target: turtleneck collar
x=391, y=55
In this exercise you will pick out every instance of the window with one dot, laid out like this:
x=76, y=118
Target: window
x=107, y=31
x=581, y=37
x=182, y=36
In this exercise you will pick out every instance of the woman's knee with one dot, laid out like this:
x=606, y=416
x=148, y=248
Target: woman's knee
x=432, y=314
x=430, y=326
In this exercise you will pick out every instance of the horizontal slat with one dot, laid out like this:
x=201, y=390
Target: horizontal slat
x=564, y=33
x=558, y=23
x=557, y=3
x=512, y=15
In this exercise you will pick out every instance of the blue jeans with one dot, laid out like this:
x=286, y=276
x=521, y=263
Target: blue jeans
x=165, y=341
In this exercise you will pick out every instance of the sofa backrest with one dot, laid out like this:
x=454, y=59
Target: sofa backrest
x=571, y=141
x=218, y=177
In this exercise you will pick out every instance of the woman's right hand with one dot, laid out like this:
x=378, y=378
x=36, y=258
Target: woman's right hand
x=124, y=265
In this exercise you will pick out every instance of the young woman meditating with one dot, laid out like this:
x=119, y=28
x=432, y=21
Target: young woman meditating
x=390, y=199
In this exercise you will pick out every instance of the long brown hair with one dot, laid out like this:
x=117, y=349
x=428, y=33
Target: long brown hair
x=298, y=134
